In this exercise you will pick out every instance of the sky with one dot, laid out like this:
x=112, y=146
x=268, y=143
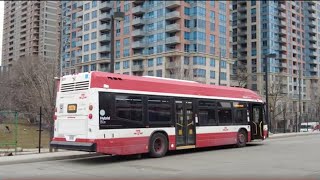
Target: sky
x=1, y=26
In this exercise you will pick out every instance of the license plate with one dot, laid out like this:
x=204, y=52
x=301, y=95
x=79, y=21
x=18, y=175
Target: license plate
x=72, y=108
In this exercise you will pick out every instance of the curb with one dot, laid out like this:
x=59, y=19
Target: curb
x=41, y=159
x=292, y=135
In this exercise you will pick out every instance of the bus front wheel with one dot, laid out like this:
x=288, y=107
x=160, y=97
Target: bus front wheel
x=158, y=146
x=242, y=138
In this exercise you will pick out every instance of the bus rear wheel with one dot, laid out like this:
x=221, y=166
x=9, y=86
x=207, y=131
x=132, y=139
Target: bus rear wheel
x=242, y=138
x=158, y=146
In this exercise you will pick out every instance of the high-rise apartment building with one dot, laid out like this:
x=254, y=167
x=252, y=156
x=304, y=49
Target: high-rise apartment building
x=173, y=39
x=85, y=37
x=290, y=30
x=30, y=28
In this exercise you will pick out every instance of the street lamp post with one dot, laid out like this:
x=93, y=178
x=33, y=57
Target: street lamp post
x=272, y=55
x=119, y=16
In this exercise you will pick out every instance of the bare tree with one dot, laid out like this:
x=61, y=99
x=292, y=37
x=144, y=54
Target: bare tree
x=276, y=97
x=31, y=84
x=242, y=75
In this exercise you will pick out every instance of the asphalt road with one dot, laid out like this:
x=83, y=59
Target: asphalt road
x=294, y=157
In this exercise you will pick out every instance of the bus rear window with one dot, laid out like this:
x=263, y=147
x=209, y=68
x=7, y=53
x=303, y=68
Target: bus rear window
x=72, y=108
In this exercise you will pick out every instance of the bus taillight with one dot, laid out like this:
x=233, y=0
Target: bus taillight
x=90, y=116
x=55, y=117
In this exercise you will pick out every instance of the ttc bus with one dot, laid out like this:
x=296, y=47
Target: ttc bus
x=121, y=115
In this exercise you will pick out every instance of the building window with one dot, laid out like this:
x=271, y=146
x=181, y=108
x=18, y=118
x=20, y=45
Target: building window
x=186, y=60
x=87, y=6
x=222, y=29
x=159, y=61
x=93, y=67
x=94, y=4
x=86, y=37
x=117, y=66
x=212, y=62
x=126, y=53
x=126, y=7
x=85, y=68
x=86, y=48
x=212, y=74
x=159, y=73
x=94, y=35
x=126, y=42
x=199, y=73
x=94, y=25
x=253, y=2
x=199, y=60
x=93, y=46
x=126, y=30
x=87, y=27
x=87, y=17
x=126, y=64
x=85, y=58
x=93, y=57
x=223, y=76
x=150, y=73
x=150, y=62
x=223, y=64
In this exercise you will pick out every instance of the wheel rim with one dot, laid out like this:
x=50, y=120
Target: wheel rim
x=242, y=138
x=158, y=145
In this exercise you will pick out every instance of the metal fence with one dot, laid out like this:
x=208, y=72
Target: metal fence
x=19, y=133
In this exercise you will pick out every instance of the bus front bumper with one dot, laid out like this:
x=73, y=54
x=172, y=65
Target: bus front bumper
x=77, y=146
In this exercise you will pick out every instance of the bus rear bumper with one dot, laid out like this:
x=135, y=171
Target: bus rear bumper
x=77, y=146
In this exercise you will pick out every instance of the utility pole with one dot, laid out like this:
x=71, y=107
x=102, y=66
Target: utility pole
x=219, y=81
x=300, y=93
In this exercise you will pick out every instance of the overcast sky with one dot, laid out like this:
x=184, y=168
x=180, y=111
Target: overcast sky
x=1, y=26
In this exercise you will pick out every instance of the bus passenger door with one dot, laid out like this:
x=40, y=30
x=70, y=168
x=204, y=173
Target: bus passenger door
x=256, y=121
x=185, y=125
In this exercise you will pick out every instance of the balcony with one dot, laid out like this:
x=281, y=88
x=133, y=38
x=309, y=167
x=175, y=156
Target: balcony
x=313, y=54
x=173, y=15
x=283, y=24
x=104, y=56
x=284, y=65
x=312, y=46
x=79, y=43
x=79, y=34
x=242, y=25
x=313, y=69
x=173, y=27
x=172, y=40
x=242, y=16
x=283, y=39
x=242, y=9
x=313, y=39
x=283, y=32
x=104, y=5
x=312, y=8
x=79, y=24
x=137, y=68
x=80, y=4
x=105, y=37
x=282, y=15
x=138, y=10
x=282, y=7
x=138, y=2
x=138, y=22
x=105, y=16
x=243, y=33
x=283, y=56
x=313, y=61
x=173, y=65
x=312, y=16
x=172, y=4
x=104, y=48
x=79, y=14
x=312, y=31
x=104, y=27
x=78, y=53
x=138, y=44
x=138, y=33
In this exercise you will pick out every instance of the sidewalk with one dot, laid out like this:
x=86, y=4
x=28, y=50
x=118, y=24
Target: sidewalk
x=46, y=156
x=284, y=135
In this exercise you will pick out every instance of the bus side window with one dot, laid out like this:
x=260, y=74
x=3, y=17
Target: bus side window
x=207, y=113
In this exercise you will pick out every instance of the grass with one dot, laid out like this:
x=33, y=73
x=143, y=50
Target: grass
x=27, y=137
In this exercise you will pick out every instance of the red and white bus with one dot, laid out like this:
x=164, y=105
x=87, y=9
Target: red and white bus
x=122, y=115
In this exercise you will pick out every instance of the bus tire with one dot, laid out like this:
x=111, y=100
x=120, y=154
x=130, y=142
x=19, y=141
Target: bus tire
x=158, y=145
x=242, y=138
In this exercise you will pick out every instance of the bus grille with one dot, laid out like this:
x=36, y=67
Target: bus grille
x=77, y=86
